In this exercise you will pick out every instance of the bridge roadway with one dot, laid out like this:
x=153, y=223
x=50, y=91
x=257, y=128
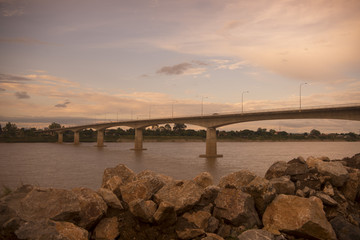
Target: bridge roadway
x=211, y=122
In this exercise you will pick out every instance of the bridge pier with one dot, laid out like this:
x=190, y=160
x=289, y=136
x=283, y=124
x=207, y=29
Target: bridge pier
x=76, y=137
x=100, y=137
x=211, y=150
x=60, y=137
x=138, y=140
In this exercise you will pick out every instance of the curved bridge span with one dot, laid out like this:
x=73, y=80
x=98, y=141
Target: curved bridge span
x=211, y=122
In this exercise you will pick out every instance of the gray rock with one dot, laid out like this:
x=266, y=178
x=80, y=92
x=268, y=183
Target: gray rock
x=47, y=229
x=236, y=207
x=256, y=234
x=107, y=229
x=283, y=185
x=276, y=170
x=110, y=198
x=183, y=195
x=144, y=210
x=345, y=230
x=302, y=217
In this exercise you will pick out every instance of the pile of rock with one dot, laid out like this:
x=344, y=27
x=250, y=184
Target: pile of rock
x=312, y=199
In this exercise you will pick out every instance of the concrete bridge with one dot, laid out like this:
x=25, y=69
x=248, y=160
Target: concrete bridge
x=211, y=122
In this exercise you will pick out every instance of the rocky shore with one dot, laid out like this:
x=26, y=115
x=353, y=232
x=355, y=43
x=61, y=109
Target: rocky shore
x=314, y=198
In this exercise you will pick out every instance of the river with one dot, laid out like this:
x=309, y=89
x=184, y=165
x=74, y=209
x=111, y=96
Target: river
x=68, y=166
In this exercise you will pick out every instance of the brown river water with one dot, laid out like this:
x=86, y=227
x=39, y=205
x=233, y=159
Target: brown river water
x=68, y=166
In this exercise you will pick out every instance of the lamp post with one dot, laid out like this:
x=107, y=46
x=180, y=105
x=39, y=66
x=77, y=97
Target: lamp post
x=202, y=105
x=242, y=101
x=300, y=92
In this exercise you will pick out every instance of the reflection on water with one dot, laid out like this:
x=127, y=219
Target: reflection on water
x=68, y=165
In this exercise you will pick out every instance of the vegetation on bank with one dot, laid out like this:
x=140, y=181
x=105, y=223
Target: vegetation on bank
x=179, y=132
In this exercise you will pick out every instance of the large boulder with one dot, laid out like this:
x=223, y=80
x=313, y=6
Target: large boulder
x=183, y=195
x=148, y=173
x=204, y=179
x=236, y=207
x=334, y=170
x=92, y=205
x=237, y=179
x=345, y=230
x=283, y=185
x=124, y=173
x=302, y=217
x=256, y=234
x=165, y=214
x=276, y=170
x=143, y=188
x=107, y=229
x=351, y=188
x=48, y=229
x=144, y=210
x=199, y=218
x=110, y=198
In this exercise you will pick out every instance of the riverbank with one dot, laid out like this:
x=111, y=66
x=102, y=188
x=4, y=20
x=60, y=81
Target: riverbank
x=312, y=199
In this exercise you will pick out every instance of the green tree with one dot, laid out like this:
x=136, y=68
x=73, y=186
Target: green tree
x=179, y=126
x=54, y=125
x=0, y=129
x=10, y=129
x=315, y=133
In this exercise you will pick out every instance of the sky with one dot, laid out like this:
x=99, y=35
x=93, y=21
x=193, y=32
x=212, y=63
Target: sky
x=82, y=61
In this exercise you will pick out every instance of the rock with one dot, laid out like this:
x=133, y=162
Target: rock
x=113, y=184
x=199, y=218
x=143, y=188
x=213, y=225
x=107, y=229
x=262, y=191
x=326, y=199
x=165, y=214
x=224, y=230
x=283, y=185
x=151, y=174
x=353, y=162
x=351, y=188
x=328, y=189
x=209, y=196
x=276, y=170
x=212, y=236
x=296, y=168
x=335, y=170
x=237, y=179
x=204, y=179
x=125, y=174
x=299, y=159
x=48, y=203
x=345, y=230
x=300, y=193
x=144, y=210
x=187, y=230
x=47, y=229
x=256, y=234
x=312, y=161
x=236, y=207
x=92, y=205
x=110, y=198
x=298, y=216
x=183, y=195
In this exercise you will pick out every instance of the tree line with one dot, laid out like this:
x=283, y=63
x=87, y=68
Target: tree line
x=11, y=133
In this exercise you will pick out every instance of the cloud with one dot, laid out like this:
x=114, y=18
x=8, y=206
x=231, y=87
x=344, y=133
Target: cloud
x=10, y=8
x=25, y=41
x=7, y=78
x=62, y=105
x=184, y=68
x=22, y=95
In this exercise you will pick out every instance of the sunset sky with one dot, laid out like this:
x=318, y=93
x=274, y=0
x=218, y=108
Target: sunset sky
x=103, y=60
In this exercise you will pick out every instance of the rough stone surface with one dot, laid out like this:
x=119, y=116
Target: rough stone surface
x=345, y=230
x=199, y=218
x=113, y=184
x=107, y=229
x=283, y=185
x=212, y=236
x=209, y=196
x=236, y=207
x=328, y=189
x=142, y=209
x=213, y=225
x=238, y=180
x=165, y=214
x=335, y=170
x=256, y=234
x=204, y=179
x=276, y=170
x=303, y=217
x=110, y=198
x=296, y=168
x=124, y=173
x=47, y=229
x=326, y=199
x=143, y=188
x=92, y=205
x=183, y=195
x=151, y=174
x=312, y=161
x=351, y=188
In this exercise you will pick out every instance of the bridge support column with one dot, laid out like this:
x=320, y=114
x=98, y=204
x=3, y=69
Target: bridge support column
x=100, y=137
x=211, y=150
x=60, y=137
x=76, y=137
x=138, y=140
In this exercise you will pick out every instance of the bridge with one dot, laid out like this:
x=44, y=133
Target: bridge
x=211, y=122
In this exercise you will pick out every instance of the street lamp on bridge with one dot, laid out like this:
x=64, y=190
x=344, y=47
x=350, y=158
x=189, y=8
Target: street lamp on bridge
x=242, y=100
x=300, y=92
x=202, y=104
